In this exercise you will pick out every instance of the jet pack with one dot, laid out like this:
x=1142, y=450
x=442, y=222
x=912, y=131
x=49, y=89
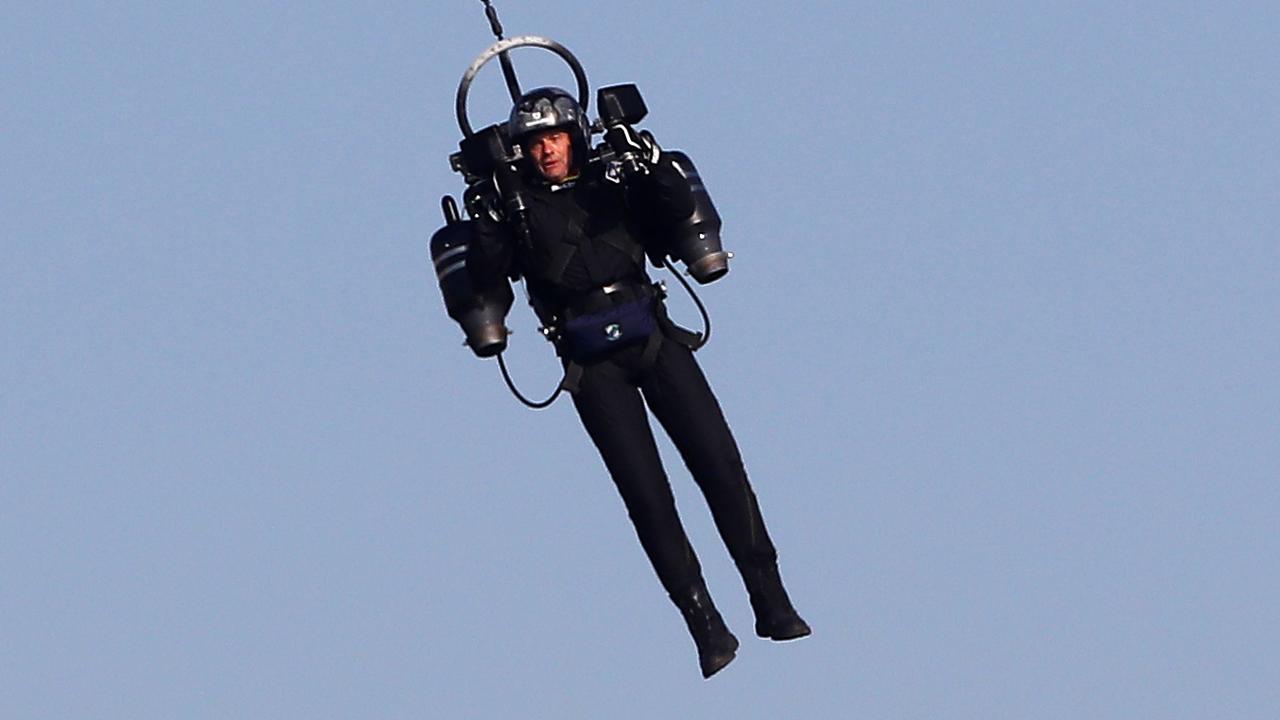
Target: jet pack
x=493, y=168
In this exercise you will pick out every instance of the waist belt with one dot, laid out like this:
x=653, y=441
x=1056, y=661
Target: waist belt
x=602, y=299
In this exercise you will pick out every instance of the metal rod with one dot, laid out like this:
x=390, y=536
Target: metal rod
x=509, y=73
x=508, y=68
x=492, y=13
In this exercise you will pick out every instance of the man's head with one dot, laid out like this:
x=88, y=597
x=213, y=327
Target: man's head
x=551, y=152
x=553, y=130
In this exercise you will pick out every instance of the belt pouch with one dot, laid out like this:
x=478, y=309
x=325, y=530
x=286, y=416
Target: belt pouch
x=588, y=337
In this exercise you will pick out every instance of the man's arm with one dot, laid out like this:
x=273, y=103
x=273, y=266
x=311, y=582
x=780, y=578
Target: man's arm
x=661, y=197
x=657, y=194
x=491, y=256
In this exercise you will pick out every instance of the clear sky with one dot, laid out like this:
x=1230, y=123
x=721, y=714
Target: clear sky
x=999, y=343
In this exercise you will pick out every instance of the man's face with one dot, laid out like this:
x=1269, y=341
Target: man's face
x=552, y=153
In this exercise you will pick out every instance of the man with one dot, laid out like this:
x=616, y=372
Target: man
x=579, y=238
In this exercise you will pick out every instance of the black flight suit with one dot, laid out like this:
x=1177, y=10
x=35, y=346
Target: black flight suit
x=590, y=235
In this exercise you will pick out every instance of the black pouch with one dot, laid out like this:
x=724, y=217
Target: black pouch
x=588, y=337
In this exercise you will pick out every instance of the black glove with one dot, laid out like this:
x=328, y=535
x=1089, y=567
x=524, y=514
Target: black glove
x=511, y=191
x=514, y=200
x=635, y=152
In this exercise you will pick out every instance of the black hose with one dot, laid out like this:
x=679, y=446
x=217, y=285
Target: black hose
x=535, y=405
x=705, y=335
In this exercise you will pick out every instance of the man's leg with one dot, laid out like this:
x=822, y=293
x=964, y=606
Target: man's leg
x=681, y=399
x=614, y=416
x=683, y=402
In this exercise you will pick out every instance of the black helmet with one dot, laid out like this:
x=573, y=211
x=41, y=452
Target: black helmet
x=547, y=108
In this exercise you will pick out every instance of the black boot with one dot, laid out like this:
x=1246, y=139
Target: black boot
x=776, y=619
x=716, y=645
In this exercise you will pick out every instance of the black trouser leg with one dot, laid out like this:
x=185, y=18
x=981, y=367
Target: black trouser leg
x=681, y=399
x=614, y=416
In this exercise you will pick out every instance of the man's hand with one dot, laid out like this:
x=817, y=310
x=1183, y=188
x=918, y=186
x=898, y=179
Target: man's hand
x=636, y=153
x=511, y=190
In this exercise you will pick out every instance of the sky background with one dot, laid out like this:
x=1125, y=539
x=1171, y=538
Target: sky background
x=999, y=344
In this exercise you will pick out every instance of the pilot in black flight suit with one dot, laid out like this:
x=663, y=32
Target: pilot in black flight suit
x=581, y=247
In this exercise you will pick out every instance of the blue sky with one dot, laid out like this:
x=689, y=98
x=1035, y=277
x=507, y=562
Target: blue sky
x=999, y=344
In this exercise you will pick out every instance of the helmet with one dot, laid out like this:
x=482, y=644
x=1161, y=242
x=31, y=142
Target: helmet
x=547, y=108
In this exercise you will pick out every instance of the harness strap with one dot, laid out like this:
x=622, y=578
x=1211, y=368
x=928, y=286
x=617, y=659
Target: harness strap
x=651, y=348
x=684, y=336
x=572, y=378
x=664, y=330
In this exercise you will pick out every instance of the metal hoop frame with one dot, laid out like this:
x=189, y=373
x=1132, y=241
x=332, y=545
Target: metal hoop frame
x=501, y=48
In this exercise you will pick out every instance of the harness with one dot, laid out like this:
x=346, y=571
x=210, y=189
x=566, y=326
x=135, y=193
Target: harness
x=589, y=327
x=606, y=320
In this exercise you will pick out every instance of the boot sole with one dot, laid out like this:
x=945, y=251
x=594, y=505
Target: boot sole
x=784, y=636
